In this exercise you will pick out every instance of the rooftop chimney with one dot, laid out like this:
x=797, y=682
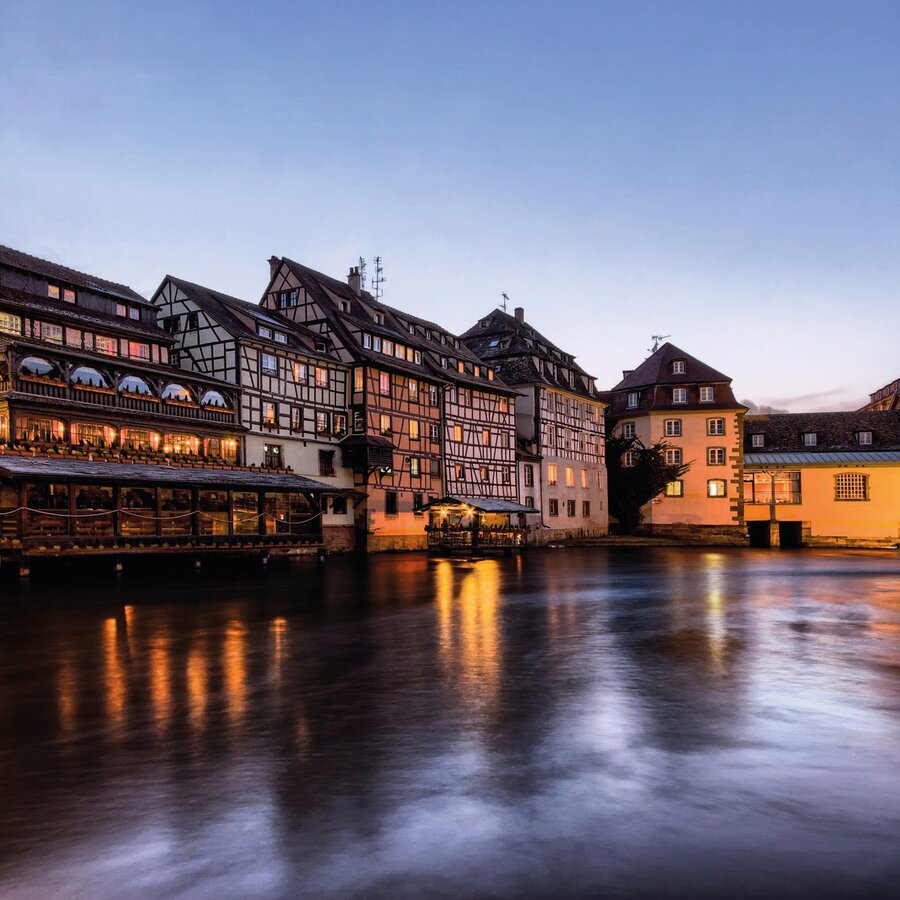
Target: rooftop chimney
x=520, y=314
x=274, y=263
x=354, y=279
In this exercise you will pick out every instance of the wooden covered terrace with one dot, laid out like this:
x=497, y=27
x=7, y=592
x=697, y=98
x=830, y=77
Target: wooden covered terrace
x=476, y=525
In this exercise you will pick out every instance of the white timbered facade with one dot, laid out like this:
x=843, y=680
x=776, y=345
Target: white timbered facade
x=294, y=400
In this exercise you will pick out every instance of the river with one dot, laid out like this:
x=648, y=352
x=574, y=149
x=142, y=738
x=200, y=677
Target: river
x=642, y=722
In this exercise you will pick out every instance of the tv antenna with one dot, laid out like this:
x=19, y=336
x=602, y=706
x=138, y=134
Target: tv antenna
x=505, y=297
x=378, y=279
x=657, y=338
x=362, y=273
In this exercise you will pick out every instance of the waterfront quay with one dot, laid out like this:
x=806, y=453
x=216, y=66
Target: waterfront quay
x=584, y=722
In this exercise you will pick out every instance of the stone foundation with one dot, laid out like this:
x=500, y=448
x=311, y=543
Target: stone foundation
x=543, y=537
x=387, y=543
x=339, y=538
x=714, y=535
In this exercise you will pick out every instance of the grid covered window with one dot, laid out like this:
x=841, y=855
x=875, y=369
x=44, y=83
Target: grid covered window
x=673, y=428
x=269, y=364
x=678, y=367
x=715, y=456
x=673, y=456
x=810, y=439
x=528, y=474
x=758, y=440
x=632, y=399
x=715, y=426
x=628, y=430
x=707, y=393
x=864, y=438
x=851, y=486
x=679, y=395
x=629, y=458
x=675, y=489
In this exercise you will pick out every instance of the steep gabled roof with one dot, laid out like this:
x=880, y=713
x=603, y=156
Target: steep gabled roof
x=15, y=259
x=833, y=430
x=657, y=369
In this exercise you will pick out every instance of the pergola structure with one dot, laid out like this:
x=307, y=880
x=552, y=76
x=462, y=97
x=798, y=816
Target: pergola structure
x=482, y=525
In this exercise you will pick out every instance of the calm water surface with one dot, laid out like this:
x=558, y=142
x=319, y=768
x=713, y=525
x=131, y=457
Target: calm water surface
x=581, y=723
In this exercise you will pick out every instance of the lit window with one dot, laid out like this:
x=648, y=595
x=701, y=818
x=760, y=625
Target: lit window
x=552, y=474
x=679, y=395
x=359, y=376
x=628, y=430
x=321, y=377
x=457, y=433
x=269, y=414
x=384, y=383
x=485, y=474
x=851, y=486
x=269, y=364
x=485, y=437
x=809, y=439
x=584, y=478
x=570, y=477
x=413, y=391
x=339, y=424
x=121, y=310
x=715, y=456
x=673, y=427
x=53, y=291
x=715, y=426
x=323, y=422
x=388, y=347
x=107, y=345
x=414, y=429
x=53, y=334
x=673, y=457
x=707, y=393
x=137, y=350
x=715, y=487
x=385, y=424
x=758, y=440
x=675, y=489
x=461, y=366
x=68, y=296
x=678, y=367
x=299, y=372
x=461, y=473
x=10, y=324
x=415, y=467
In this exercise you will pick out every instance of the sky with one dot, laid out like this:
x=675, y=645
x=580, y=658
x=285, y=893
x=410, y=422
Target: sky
x=725, y=173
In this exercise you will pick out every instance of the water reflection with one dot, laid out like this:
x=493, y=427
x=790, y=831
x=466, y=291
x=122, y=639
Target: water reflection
x=576, y=722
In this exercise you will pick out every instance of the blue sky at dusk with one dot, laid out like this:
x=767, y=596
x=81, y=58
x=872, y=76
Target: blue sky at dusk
x=724, y=172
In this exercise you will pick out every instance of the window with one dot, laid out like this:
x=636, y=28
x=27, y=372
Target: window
x=359, y=379
x=390, y=503
x=53, y=334
x=134, y=313
x=107, y=345
x=121, y=309
x=413, y=390
x=759, y=486
x=280, y=337
x=570, y=508
x=269, y=363
x=675, y=489
x=415, y=466
x=584, y=478
x=529, y=502
x=418, y=502
x=10, y=324
x=465, y=397
x=339, y=506
x=323, y=422
x=673, y=456
x=553, y=507
x=433, y=395
x=131, y=384
x=809, y=438
x=269, y=414
x=137, y=350
x=339, y=424
x=264, y=331
x=273, y=456
x=379, y=318
x=715, y=426
x=715, y=456
x=757, y=440
x=457, y=433
x=385, y=424
x=570, y=476
x=552, y=473
x=715, y=487
x=387, y=347
x=193, y=321
x=586, y=508
x=864, y=438
x=321, y=376
x=367, y=341
x=632, y=399
x=628, y=430
x=629, y=459
x=461, y=366
x=177, y=392
x=678, y=367
x=434, y=432
x=673, y=427
x=528, y=474
x=707, y=393
x=344, y=306
x=68, y=296
x=679, y=395
x=53, y=291
x=326, y=462
x=485, y=437
x=88, y=376
x=413, y=429
x=485, y=474
x=851, y=486
x=296, y=418
x=384, y=383
x=461, y=473
x=298, y=371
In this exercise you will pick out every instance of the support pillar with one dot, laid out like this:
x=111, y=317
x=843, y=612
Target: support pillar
x=774, y=534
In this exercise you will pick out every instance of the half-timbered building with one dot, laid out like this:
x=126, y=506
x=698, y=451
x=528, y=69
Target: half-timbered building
x=107, y=447
x=559, y=422
x=293, y=389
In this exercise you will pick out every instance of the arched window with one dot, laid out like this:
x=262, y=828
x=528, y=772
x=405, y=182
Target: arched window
x=131, y=384
x=35, y=365
x=213, y=398
x=177, y=392
x=88, y=376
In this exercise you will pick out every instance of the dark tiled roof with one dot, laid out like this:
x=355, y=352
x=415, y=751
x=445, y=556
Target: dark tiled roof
x=54, y=272
x=482, y=504
x=102, y=470
x=886, y=398
x=833, y=430
x=68, y=313
x=657, y=369
x=658, y=398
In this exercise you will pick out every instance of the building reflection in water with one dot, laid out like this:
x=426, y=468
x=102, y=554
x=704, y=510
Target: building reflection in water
x=114, y=628
x=160, y=682
x=66, y=693
x=196, y=683
x=235, y=664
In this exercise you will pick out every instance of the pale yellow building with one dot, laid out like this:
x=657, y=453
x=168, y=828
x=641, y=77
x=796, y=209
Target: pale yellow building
x=823, y=479
x=673, y=396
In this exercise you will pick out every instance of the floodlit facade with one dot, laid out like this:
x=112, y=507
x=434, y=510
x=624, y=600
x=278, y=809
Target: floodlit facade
x=823, y=479
x=673, y=396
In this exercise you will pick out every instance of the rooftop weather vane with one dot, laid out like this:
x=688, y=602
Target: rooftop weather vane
x=656, y=338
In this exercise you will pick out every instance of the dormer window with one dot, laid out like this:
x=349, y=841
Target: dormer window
x=443, y=362
x=280, y=337
x=483, y=323
x=379, y=318
x=461, y=366
x=810, y=438
x=490, y=374
x=678, y=367
x=631, y=400
x=757, y=440
x=53, y=291
x=679, y=395
x=68, y=296
x=412, y=328
x=864, y=438
x=320, y=346
x=367, y=341
x=707, y=393
x=345, y=306
x=264, y=332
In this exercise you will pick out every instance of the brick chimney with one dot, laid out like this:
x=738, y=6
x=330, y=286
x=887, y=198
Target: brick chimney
x=520, y=313
x=274, y=263
x=354, y=279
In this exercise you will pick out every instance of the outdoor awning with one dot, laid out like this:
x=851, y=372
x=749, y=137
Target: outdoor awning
x=364, y=451
x=480, y=504
x=49, y=468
